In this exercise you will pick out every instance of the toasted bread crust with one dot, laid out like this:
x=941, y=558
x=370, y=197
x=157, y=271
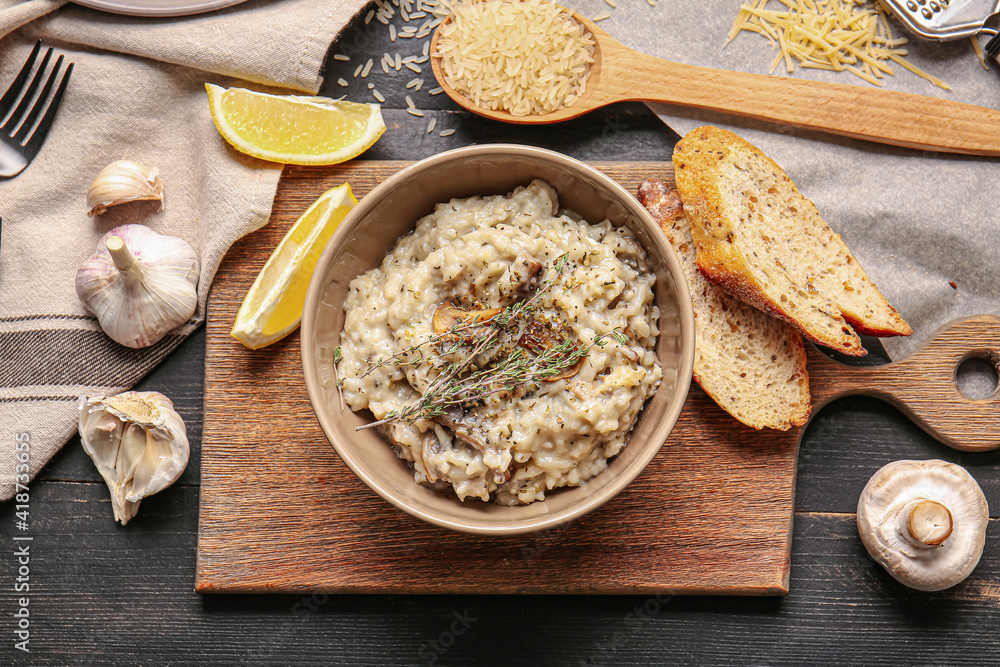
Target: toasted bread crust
x=759, y=239
x=752, y=365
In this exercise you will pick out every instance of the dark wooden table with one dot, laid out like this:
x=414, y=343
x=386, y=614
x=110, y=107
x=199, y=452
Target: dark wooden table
x=103, y=593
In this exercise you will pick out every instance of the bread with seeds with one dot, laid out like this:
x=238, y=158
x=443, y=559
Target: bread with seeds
x=761, y=240
x=751, y=364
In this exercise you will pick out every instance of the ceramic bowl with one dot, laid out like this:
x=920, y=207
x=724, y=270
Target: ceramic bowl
x=371, y=230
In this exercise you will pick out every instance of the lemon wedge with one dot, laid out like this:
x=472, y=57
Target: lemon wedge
x=273, y=306
x=292, y=129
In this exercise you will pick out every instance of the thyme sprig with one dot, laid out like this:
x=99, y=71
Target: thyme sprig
x=451, y=338
x=515, y=370
x=337, y=356
x=451, y=341
x=463, y=384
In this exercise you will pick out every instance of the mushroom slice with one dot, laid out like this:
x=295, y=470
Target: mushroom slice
x=448, y=316
x=431, y=449
x=466, y=427
x=538, y=338
x=567, y=372
x=924, y=522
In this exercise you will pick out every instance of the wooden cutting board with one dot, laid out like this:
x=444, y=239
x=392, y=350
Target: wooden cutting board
x=711, y=514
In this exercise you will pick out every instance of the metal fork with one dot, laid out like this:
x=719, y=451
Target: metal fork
x=25, y=126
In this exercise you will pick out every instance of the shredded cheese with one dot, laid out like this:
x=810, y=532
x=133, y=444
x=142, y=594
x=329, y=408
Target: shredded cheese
x=977, y=47
x=835, y=35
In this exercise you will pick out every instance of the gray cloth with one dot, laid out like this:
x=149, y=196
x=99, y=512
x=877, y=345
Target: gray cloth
x=917, y=221
x=137, y=91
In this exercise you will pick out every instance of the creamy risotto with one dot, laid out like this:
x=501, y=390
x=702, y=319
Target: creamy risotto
x=505, y=348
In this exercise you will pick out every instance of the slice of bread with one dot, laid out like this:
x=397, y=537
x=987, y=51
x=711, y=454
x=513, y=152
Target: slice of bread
x=750, y=363
x=758, y=238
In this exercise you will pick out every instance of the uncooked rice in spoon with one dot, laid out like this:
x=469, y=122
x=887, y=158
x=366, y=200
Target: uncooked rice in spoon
x=527, y=58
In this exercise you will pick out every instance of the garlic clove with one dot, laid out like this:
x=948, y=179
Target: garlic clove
x=138, y=443
x=140, y=284
x=105, y=433
x=133, y=444
x=122, y=182
x=148, y=464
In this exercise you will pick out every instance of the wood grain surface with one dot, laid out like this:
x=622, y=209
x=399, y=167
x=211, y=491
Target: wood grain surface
x=105, y=594
x=280, y=511
x=924, y=384
x=711, y=514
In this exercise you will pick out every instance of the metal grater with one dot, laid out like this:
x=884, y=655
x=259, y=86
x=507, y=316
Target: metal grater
x=945, y=20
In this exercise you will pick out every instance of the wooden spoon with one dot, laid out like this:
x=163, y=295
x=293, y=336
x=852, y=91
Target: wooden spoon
x=902, y=119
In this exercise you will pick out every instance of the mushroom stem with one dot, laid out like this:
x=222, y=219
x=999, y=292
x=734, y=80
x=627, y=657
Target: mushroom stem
x=930, y=522
x=120, y=254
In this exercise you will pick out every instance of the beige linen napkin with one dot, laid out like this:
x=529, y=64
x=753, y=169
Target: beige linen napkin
x=919, y=222
x=137, y=90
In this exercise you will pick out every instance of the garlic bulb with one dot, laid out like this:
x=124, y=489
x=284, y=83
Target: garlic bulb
x=121, y=182
x=140, y=284
x=138, y=443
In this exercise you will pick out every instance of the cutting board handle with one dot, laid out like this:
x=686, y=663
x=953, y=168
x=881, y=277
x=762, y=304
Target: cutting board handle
x=924, y=385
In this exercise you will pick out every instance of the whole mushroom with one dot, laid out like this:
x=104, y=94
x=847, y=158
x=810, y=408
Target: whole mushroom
x=924, y=522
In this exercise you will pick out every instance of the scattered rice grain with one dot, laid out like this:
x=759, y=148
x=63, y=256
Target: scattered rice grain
x=435, y=91
x=415, y=112
x=378, y=96
x=414, y=67
x=368, y=68
x=357, y=71
x=446, y=133
x=392, y=33
x=409, y=102
x=341, y=82
x=341, y=56
x=369, y=16
x=602, y=16
x=431, y=125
